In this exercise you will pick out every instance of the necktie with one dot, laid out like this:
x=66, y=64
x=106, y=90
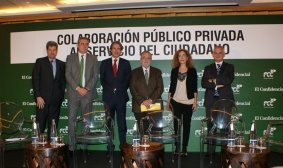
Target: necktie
x=81, y=70
x=146, y=76
x=115, y=68
x=218, y=66
x=53, y=63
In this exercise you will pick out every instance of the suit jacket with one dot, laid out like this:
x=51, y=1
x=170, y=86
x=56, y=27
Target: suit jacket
x=120, y=84
x=43, y=82
x=141, y=91
x=73, y=75
x=225, y=77
x=191, y=82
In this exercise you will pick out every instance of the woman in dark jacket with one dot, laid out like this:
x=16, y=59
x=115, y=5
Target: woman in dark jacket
x=183, y=92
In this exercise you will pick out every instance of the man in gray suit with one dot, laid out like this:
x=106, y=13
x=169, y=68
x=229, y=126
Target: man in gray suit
x=81, y=75
x=146, y=85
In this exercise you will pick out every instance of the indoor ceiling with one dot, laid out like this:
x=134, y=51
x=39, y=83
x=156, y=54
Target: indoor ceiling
x=9, y=8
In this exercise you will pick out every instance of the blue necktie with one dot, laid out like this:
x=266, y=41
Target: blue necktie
x=218, y=66
x=53, y=63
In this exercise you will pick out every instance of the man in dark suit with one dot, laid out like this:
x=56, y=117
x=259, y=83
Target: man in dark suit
x=115, y=74
x=217, y=79
x=81, y=75
x=48, y=80
x=146, y=85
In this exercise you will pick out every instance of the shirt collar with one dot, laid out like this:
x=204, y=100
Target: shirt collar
x=52, y=59
x=220, y=63
x=80, y=54
x=148, y=69
x=115, y=58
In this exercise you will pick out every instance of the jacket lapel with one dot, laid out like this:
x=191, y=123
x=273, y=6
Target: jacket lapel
x=213, y=70
x=222, y=68
x=110, y=68
x=77, y=66
x=57, y=69
x=87, y=66
x=150, y=76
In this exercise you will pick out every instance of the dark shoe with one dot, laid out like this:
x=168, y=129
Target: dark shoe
x=208, y=155
x=71, y=154
x=107, y=152
x=184, y=152
x=177, y=151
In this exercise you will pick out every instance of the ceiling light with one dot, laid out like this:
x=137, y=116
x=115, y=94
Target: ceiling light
x=266, y=1
x=134, y=4
x=30, y=10
x=78, y=1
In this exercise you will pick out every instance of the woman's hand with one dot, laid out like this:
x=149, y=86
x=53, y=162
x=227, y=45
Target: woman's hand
x=194, y=107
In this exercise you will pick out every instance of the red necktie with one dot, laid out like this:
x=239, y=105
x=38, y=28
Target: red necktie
x=115, y=68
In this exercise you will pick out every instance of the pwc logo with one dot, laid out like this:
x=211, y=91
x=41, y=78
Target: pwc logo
x=64, y=130
x=269, y=74
x=129, y=104
x=269, y=103
x=100, y=117
x=201, y=103
x=237, y=88
x=199, y=132
x=64, y=103
x=130, y=131
x=200, y=74
x=31, y=91
x=167, y=117
x=271, y=133
x=166, y=89
x=99, y=90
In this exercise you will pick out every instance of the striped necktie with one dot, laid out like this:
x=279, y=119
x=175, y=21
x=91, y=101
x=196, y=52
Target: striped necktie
x=218, y=67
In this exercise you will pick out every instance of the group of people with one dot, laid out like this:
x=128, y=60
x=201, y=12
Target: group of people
x=81, y=73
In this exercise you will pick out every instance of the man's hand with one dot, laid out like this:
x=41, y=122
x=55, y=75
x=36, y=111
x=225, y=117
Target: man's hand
x=147, y=103
x=212, y=81
x=40, y=102
x=82, y=91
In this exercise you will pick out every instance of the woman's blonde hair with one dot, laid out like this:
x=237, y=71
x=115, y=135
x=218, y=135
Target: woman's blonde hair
x=175, y=61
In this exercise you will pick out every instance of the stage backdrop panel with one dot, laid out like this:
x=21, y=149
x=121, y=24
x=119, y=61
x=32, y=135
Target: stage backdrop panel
x=252, y=43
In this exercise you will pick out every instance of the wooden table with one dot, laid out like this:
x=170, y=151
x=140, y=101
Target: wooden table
x=144, y=157
x=46, y=156
x=244, y=157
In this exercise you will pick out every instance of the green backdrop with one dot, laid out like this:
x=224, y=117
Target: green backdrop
x=257, y=86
